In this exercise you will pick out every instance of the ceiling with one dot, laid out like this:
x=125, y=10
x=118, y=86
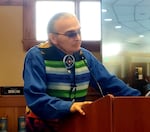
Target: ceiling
x=134, y=18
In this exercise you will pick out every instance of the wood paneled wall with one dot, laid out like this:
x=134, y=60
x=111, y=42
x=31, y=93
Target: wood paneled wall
x=11, y=34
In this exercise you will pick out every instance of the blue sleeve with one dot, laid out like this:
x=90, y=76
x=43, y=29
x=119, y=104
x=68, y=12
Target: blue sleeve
x=109, y=83
x=35, y=86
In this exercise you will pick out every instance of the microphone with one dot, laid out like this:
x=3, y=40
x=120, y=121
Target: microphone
x=92, y=75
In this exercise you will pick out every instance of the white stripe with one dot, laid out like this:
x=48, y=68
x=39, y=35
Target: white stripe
x=56, y=70
x=82, y=70
x=66, y=86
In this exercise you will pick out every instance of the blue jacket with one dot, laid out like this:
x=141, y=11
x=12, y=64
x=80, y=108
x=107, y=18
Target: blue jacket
x=49, y=107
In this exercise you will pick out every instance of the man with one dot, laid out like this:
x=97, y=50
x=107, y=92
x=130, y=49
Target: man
x=57, y=75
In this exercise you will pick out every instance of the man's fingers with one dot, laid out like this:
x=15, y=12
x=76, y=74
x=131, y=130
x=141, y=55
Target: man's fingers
x=81, y=111
x=77, y=107
x=87, y=102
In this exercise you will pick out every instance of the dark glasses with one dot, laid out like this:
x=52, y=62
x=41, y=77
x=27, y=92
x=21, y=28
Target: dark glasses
x=69, y=34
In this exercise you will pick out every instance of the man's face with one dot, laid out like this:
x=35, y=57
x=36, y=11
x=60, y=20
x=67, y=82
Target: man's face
x=67, y=36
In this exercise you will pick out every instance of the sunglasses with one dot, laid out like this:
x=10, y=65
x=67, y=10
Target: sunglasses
x=69, y=34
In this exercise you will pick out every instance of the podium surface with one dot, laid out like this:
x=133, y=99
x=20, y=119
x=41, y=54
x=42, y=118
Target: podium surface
x=98, y=118
x=131, y=114
x=111, y=114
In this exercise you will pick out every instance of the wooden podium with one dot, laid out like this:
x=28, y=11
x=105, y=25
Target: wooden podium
x=111, y=114
x=131, y=114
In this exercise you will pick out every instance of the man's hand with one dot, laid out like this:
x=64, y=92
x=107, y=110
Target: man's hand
x=77, y=107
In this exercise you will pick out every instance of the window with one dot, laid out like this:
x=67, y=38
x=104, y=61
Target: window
x=90, y=17
x=87, y=11
x=45, y=10
x=35, y=22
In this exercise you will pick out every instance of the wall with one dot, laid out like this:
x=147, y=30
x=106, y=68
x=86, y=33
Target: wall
x=11, y=50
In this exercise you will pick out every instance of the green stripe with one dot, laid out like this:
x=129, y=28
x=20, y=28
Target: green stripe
x=58, y=93
x=79, y=64
x=66, y=93
x=54, y=63
x=48, y=63
x=79, y=93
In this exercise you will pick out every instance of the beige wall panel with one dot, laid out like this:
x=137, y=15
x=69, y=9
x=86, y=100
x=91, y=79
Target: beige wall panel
x=11, y=51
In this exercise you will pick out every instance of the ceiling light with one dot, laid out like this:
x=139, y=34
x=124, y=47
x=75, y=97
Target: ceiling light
x=104, y=10
x=117, y=27
x=108, y=19
x=141, y=36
